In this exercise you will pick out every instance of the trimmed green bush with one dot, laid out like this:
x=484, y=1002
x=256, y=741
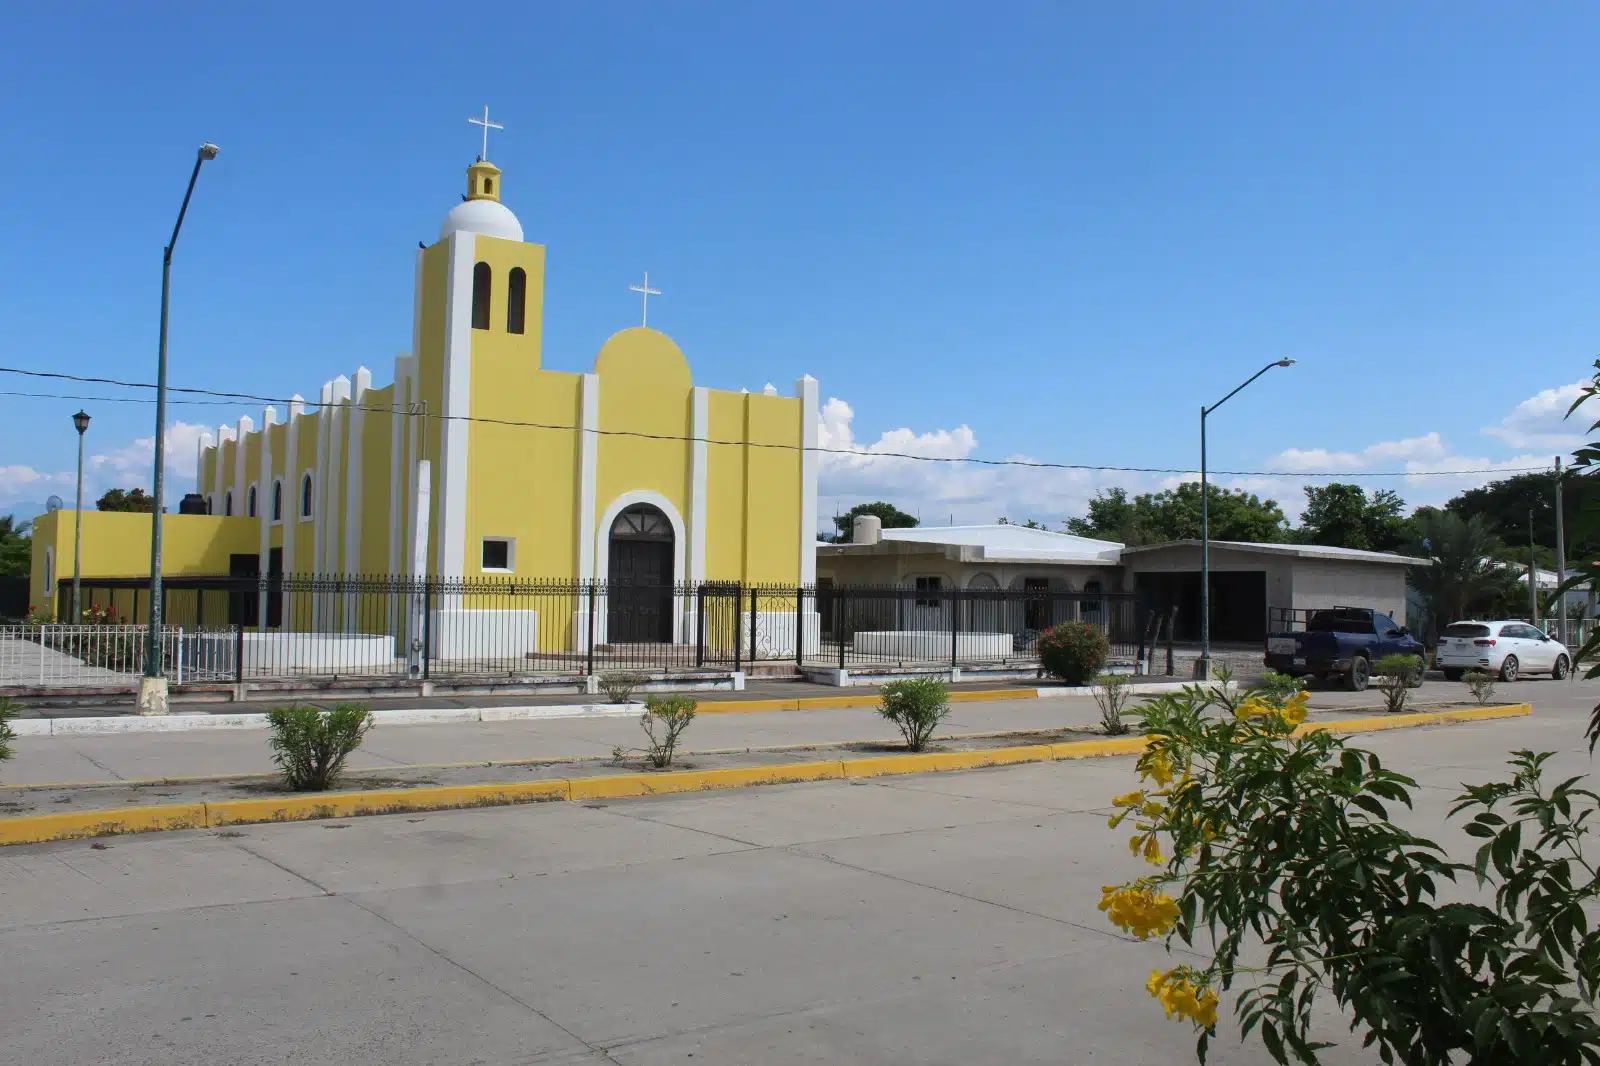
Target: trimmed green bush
x=916, y=706
x=1111, y=695
x=618, y=685
x=311, y=745
x=664, y=720
x=1481, y=682
x=1400, y=674
x=1073, y=651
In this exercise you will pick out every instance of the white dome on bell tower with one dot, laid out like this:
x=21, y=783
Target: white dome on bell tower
x=482, y=212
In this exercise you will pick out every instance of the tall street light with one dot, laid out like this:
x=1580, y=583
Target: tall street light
x=1202, y=668
x=153, y=686
x=80, y=422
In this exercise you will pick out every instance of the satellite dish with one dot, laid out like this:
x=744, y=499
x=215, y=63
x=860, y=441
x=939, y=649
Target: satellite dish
x=54, y=504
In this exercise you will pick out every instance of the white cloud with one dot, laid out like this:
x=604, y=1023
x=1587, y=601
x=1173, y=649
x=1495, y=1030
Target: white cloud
x=1541, y=421
x=123, y=467
x=1428, y=447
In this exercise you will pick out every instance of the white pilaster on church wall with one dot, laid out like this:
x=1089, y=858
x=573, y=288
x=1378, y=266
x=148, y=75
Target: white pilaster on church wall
x=451, y=549
x=354, y=483
x=415, y=428
x=219, y=476
x=291, y=494
x=200, y=479
x=241, y=472
x=319, y=497
x=806, y=389
x=588, y=470
x=269, y=418
x=338, y=429
x=700, y=426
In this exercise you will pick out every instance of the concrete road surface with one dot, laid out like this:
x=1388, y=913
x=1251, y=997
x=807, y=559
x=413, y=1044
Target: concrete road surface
x=937, y=919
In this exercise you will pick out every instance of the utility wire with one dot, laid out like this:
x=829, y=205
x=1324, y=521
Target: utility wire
x=229, y=397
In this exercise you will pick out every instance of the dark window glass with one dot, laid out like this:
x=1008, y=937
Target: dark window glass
x=516, y=300
x=481, y=278
x=496, y=555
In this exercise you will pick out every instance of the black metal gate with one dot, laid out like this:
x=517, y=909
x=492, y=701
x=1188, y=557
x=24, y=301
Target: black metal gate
x=719, y=638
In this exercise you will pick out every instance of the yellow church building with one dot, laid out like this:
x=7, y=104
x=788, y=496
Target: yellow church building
x=478, y=461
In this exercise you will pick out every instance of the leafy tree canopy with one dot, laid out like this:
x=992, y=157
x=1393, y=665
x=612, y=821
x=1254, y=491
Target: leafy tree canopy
x=890, y=515
x=1505, y=505
x=1175, y=515
x=1344, y=516
x=126, y=500
x=16, y=547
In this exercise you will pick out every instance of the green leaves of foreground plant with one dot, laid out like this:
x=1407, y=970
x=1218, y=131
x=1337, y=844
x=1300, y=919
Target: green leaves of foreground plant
x=310, y=746
x=1282, y=847
x=9, y=709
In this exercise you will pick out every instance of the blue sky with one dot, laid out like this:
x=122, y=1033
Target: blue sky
x=1048, y=230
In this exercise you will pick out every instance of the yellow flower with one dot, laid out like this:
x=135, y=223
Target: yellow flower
x=1294, y=710
x=1152, y=851
x=1139, y=911
x=1156, y=766
x=1132, y=799
x=1180, y=997
x=1253, y=707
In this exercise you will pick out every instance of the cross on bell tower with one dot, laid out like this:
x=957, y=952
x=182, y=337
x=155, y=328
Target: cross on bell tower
x=487, y=126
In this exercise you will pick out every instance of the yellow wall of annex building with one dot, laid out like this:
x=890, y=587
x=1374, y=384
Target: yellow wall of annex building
x=117, y=544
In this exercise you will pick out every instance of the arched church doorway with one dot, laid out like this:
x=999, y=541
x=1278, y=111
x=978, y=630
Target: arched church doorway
x=639, y=569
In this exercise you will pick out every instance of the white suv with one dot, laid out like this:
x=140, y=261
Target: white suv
x=1509, y=649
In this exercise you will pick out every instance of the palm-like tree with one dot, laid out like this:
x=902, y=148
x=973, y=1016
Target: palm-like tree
x=1464, y=577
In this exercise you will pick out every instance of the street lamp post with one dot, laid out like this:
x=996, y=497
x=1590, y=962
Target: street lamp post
x=80, y=422
x=153, y=686
x=1202, y=667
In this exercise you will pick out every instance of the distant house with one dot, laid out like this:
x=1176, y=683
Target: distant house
x=1252, y=584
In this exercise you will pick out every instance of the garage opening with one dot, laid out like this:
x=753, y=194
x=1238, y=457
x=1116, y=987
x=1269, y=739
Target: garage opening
x=1238, y=603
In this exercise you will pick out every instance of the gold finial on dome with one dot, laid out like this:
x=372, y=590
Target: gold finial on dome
x=483, y=181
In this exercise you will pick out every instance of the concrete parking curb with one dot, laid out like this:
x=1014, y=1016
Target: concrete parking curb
x=36, y=829
x=193, y=720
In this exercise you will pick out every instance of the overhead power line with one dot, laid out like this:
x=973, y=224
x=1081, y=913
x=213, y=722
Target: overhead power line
x=228, y=398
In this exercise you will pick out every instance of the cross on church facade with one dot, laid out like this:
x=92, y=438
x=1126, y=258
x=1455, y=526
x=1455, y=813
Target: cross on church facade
x=645, y=292
x=487, y=126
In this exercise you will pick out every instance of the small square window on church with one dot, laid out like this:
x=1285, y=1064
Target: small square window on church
x=499, y=555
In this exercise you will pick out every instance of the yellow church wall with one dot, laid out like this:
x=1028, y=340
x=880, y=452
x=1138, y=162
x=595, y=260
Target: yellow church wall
x=530, y=474
x=772, y=490
x=305, y=463
x=377, y=437
x=225, y=453
x=645, y=388
x=503, y=256
x=725, y=487
x=252, y=475
x=431, y=316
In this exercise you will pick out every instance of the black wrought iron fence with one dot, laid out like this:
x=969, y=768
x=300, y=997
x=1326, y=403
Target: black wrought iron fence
x=490, y=627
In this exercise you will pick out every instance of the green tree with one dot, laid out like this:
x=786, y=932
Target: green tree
x=1505, y=505
x=126, y=500
x=1464, y=578
x=1112, y=516
x=890, y=515
x=1343, y=516
x=1175, y=515
x=16, y=547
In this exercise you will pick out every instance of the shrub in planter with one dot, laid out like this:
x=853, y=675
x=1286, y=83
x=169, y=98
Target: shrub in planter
x=1111, y=695
x=1400, y=674
x=1073, y=651
x=664, y=720
x=618, y=685
x=310, y=746
x=1481, y=682
x=916, y=707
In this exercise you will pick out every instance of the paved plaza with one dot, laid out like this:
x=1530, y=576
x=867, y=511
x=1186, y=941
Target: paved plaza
x=945, y=918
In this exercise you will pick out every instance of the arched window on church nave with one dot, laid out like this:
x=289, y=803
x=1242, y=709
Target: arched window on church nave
x=516, y=300
x=250, y=503
x=227, y=504
x=481, y=278
x=305, y=495
x=277, y=499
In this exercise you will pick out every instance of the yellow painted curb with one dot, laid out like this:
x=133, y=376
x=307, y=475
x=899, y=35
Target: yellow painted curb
x=35, y=829
x=818, y=703
x=81, y=824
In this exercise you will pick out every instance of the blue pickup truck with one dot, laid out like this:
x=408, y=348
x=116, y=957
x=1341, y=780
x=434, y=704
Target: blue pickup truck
x=1341, y=644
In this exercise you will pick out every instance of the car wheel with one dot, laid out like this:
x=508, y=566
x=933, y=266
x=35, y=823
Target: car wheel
x=1453, y=675
x=1508, y=668
x=1562, y=667
x=1360, y=672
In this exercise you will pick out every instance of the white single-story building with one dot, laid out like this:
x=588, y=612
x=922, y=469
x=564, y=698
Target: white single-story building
x=1253, y=586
